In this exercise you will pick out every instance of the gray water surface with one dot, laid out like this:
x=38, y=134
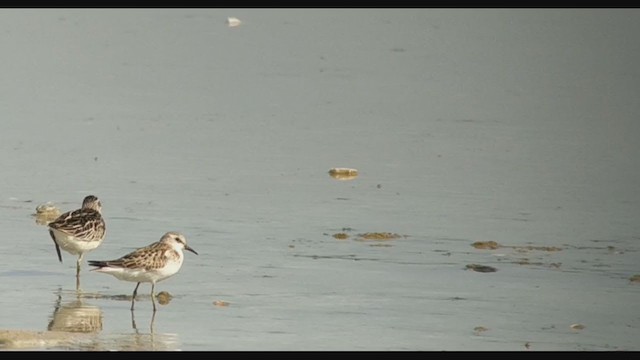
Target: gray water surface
x=518, y=126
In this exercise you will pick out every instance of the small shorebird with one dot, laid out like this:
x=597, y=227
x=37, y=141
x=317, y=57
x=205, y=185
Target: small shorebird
x=151, y=263
x=79, y=231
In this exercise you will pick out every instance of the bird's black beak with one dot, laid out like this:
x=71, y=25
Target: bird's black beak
x=186, y=247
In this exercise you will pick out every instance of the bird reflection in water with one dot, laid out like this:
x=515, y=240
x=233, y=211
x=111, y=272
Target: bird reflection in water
x=143, y=340
x=75, y=316
x=151, y=323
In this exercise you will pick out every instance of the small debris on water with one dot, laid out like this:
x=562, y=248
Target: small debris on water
x=479, y=329
x=481, y=268
x=491, y=245
x=164, y=297
x=46, y=208
x=343, y=173
x=233, y=21
x=341, y=236
x=379, y=236
x=46, y=213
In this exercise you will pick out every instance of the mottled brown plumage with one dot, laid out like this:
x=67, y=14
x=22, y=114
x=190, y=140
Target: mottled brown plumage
x=151, y=257
x=151, y=263
x=79, y=231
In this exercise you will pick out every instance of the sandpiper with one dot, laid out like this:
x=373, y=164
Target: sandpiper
x=79, y=231
x=151, y=263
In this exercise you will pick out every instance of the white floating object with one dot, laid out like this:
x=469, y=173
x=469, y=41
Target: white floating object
x=233, y=21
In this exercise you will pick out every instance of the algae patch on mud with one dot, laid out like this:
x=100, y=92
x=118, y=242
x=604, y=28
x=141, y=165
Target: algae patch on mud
x=379, y=236
x=26, y=339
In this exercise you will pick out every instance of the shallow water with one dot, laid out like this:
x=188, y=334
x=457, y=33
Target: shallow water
x=514, y=126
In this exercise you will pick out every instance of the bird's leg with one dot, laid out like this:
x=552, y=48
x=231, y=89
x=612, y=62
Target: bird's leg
x=133, y=322
x=78, y=272
x=133, y=299
x=78, y=264
x=151, y=326
x=153, y=297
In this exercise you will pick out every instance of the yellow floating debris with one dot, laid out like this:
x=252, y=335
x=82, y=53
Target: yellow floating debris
x=635, y=278
x=341, y=236
x=220, y=303
x=164, y=297
x=343, y=173
x=490, y=245
x=577, y=326
x=379, y=236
